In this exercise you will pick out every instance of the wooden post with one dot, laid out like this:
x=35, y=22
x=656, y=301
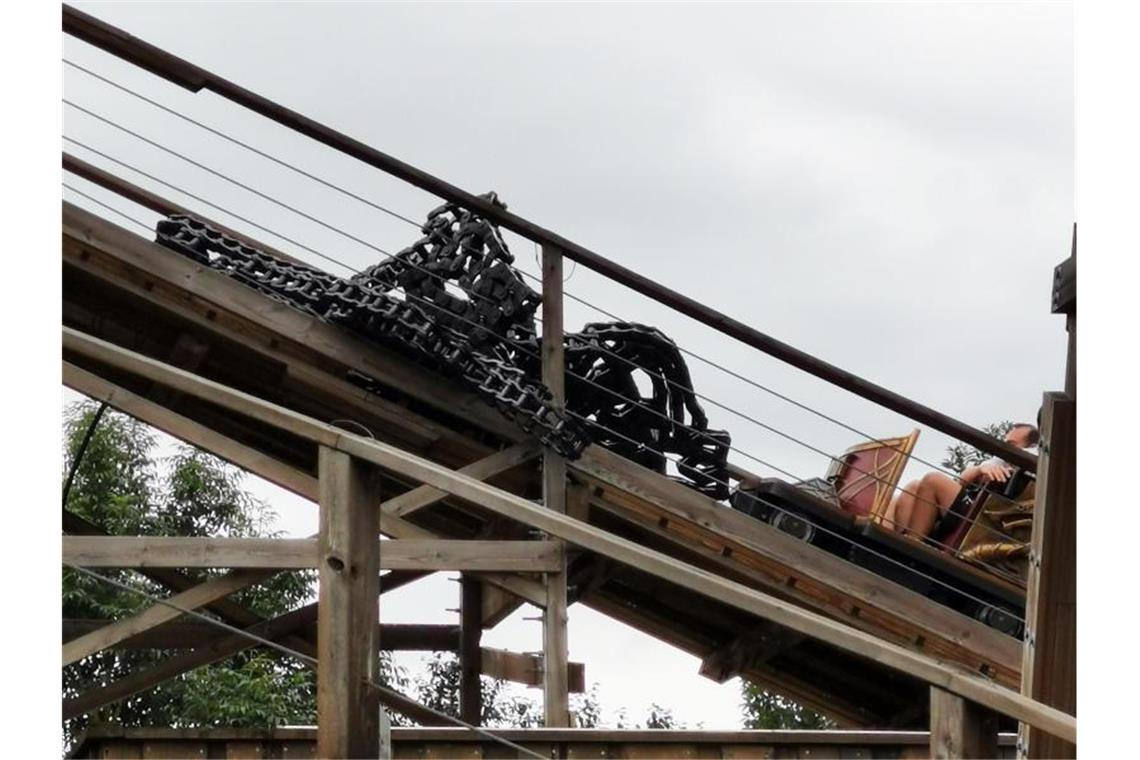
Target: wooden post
x=470, y=653
x=348, y=624
x=1049, y=672
x=555, y=681
x=960, y=728
x=1049, y=658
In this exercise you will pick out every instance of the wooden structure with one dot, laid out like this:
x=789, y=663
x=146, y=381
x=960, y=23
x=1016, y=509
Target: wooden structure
x=415, y=743
x=256, y=382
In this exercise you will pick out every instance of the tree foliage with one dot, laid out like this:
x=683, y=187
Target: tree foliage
x=124, y=487
x=765, y=709
x=962, y=455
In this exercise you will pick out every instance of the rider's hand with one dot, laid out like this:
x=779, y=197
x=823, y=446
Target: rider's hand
x=995, y=472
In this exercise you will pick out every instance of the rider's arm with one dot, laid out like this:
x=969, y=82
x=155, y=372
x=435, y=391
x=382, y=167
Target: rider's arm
x=990, y=470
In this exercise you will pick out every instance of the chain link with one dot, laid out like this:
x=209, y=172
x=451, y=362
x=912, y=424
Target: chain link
x=454, y=302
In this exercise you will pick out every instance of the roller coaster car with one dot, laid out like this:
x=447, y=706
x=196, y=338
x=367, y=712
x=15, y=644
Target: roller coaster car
x=974, y=561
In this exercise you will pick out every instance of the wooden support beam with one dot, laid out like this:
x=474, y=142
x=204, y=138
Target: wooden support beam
x=498, y=604
x=1049, y=667
x=555, y=693
x=258, y=463
x=493, y=464
x=754, y=647
x=206, y=298
x=528, y=669
x=303, y=554
x=960, y=729
x=124, y=687
x=347, y=623
x=281, y=628
x=753, y=602
x=470, y=658
x=125, y=628
x=738, y=544
x=191, y=634
x=189, y=431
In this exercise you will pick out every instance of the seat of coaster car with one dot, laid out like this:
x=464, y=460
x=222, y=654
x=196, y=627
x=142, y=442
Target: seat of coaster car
x=857, y=488
x=993, y=527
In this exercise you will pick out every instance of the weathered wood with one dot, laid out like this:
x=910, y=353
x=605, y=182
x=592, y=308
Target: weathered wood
x=156, y=615
x=195, y=78
x=960, y=728
x=1050, y=657
x=256, y=462
x=189, y=634
x=555, y=692
x=209, y=297
x=763, y=605
x=303, y=553
x=174, y=666
x=347, y=623
x=652, y=562
x=630, y=744
x=470, y=658
x=493, y=464
x=751, y=648
x=527, y=669
x=498, y=604
x=823, y=582
x=189, y=431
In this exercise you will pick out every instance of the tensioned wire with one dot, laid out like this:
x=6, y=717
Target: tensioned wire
x=607, y=390
x=294, y=653
x=383, y=252
x=566, y=293
x=522, y=349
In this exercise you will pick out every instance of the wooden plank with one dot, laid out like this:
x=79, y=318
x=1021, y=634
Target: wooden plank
x=125, y=628
x=174, y=666
x=784, y=557
x=627, y=552
x=960, y=728
x=189, y=431
x=1050, y=655
x=347, y=623
x=753, y=647
x=189, y=634
x=303, y=553
x=470, y=658
x=763, y=605
x=256, y=462
x=209, y=291
x=195, y=78
x=527, y=669
x=555, y=692
x=498, y=604
x=493, y=464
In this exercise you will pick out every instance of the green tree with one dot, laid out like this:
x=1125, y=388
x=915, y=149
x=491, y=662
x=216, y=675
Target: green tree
x=765, y=709
x=123, y=486
x=962, y=455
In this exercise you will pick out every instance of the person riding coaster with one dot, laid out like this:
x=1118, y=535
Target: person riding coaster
x=922, y=504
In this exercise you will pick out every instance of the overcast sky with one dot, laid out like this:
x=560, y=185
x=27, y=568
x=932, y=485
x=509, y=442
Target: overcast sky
x=885, y=186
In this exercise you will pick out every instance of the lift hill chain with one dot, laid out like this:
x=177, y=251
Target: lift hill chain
x=453, y=301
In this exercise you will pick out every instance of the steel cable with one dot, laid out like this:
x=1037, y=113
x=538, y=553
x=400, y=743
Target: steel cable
x=298, y=655
x=520, y=347
x=389, y=255
x=567, y=294
x=525, y=351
